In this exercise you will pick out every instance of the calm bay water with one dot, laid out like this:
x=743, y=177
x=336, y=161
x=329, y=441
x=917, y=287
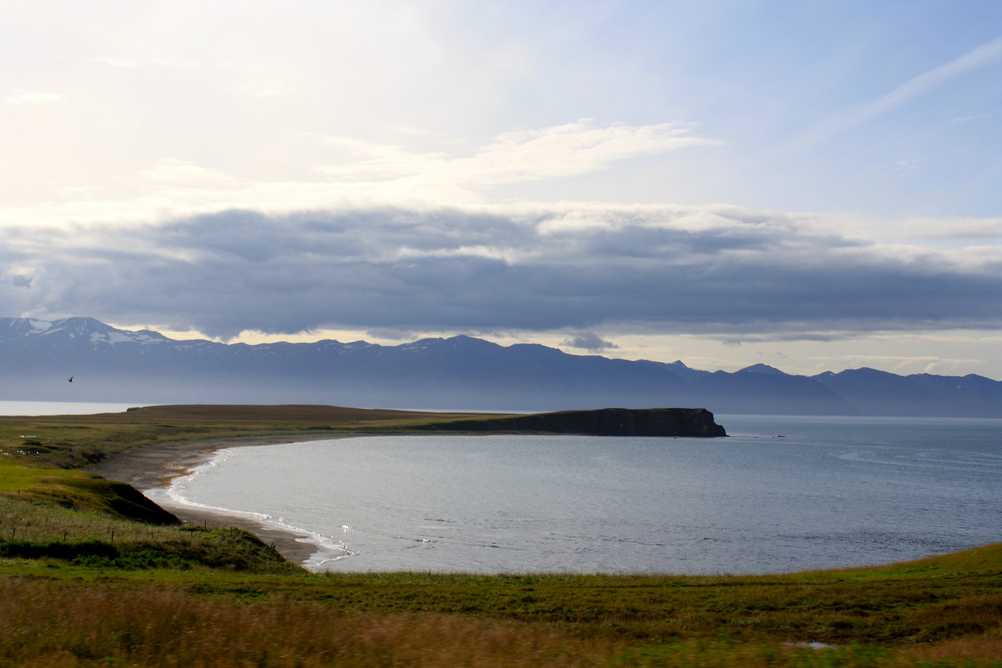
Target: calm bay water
x=783, y=493
x=60, y=407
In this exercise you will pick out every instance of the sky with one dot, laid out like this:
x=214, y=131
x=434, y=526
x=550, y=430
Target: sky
x=811, y=185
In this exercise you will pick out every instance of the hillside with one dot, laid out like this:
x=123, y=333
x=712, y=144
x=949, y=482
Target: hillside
x=457, y=373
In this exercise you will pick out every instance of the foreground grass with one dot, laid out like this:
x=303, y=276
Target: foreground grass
x=942, y=611
x=78, y=618
x=157, y=627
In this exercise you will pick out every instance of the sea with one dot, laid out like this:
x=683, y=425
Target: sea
x=780, y=494
x=36, y=408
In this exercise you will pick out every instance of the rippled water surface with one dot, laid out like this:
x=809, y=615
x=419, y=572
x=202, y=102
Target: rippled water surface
x=783, y=493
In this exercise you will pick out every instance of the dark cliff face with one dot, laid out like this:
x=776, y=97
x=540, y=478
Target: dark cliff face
x=697, y=422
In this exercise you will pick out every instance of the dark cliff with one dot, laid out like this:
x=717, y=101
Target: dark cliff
x=603, y=422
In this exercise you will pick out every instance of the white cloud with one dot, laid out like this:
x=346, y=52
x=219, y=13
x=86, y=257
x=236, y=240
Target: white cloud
x=367, y=162
x=984, y=55
x=355, y=172
x=31, y=97
x=164, y=62
x=171, y=171
x=970, y=118
x=117, y=63
x=558, y=151
x=571, y=149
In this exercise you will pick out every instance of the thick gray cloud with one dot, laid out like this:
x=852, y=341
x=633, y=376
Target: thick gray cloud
x=589, y=341
x=685, y=269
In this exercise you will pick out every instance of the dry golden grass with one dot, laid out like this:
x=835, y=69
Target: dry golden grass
x=106, y=624
x=976, y=650
x=45, y=624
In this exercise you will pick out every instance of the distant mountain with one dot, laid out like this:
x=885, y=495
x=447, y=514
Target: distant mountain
x=763, y=369
x=37, y=356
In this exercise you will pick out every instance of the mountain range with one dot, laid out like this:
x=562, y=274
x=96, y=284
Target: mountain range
x=461, y=372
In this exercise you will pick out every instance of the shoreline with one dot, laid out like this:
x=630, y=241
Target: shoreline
x=154, y=467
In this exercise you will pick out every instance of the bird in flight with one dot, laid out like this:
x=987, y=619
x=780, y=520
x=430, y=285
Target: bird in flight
x=70, y=379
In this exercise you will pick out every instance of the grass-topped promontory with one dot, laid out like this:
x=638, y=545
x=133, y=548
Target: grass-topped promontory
x=77, y=440
x=91, y=575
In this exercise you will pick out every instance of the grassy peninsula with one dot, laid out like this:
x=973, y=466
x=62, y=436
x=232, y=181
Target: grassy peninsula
x=92, y=574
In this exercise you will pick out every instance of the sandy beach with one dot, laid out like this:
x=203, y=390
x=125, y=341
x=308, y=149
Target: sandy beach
x=155, y=466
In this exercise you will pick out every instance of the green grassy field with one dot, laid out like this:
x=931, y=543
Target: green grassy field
x=87, y=579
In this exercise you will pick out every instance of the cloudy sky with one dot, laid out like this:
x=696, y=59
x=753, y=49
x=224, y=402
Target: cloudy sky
x=813, y=185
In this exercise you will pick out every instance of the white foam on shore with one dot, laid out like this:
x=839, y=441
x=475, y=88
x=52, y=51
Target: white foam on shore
x=329, y=549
